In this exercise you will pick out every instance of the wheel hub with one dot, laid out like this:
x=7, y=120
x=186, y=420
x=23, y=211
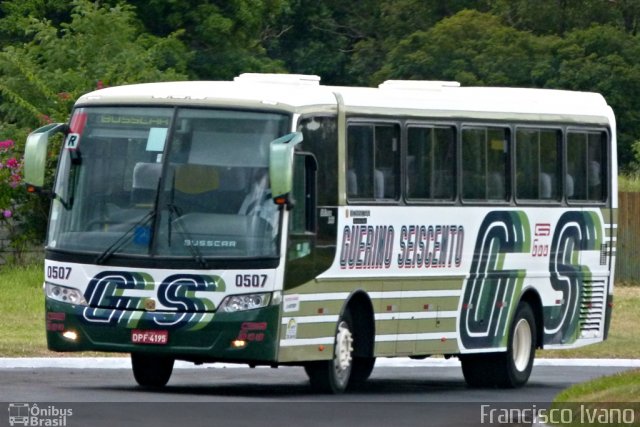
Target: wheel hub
x=522, y=345
x=343, y=352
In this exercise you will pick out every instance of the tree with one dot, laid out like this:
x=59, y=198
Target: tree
x=227, y=37
x=473, y=48
x=320, y=36
x=547, y=17
x=346, y=42
x=18, y=15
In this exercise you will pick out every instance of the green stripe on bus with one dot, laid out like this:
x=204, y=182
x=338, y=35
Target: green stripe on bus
x=420, y=326
x=304, y=353
x=379, y=285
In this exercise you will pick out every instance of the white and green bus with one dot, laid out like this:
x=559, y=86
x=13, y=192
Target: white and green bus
x=272, y=220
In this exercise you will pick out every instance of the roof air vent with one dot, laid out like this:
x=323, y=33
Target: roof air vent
x=300, y=79
x=417, y=84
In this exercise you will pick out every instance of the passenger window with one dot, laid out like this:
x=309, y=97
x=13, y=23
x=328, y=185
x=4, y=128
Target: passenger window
x=485, y=156
x=538, y=164
x=321, y=138
x=586, y=165
x=431, y=159
x=373, y=161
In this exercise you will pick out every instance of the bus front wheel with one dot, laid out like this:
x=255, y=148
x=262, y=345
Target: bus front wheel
x=332, y=376
x=508, y=369
x=151, y=370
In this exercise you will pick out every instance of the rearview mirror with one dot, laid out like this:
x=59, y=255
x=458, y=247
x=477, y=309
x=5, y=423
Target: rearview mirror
x=281, y=164
x=35, y=153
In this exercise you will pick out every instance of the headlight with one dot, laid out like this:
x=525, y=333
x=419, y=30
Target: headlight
x=234, y=303
x=64, y=294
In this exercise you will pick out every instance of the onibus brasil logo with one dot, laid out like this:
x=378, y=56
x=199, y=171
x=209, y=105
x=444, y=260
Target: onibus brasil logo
x=27, y=414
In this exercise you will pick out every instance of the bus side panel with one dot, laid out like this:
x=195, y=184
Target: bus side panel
x=580, y=275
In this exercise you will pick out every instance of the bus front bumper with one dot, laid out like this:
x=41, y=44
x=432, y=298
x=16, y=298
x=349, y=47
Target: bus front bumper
x=246, y=336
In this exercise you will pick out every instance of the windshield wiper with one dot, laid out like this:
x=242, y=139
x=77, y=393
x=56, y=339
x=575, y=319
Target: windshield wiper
x=124, y=238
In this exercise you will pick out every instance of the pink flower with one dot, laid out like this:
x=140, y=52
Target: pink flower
x=7, y=213
x=12, y=163
x=45, y=119
x=6, y=143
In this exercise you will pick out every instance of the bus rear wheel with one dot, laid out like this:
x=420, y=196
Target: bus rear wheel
x=333, y=376
x=508, y=369
x=151, y=370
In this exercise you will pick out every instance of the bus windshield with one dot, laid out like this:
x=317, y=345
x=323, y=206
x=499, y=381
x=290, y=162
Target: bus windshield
x=167, y=182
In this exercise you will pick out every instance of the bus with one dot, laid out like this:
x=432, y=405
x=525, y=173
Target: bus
x=271, y=220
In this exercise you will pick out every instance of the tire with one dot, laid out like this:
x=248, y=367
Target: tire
x=361, y=370
x=521, y=348
x=151, y=371
x=333, y=376
x=510, y=369
x=479, y=370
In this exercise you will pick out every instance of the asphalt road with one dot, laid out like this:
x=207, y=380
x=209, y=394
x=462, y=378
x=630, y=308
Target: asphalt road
x=394, y=396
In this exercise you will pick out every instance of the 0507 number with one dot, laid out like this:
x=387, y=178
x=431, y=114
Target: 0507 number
x=251, y=280
x=54, y=272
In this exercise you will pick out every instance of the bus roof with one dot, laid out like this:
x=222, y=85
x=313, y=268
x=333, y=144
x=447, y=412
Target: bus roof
x=303, y=93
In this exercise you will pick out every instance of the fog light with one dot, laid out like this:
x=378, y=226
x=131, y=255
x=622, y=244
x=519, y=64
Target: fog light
x=70, y=335
x=238, y=343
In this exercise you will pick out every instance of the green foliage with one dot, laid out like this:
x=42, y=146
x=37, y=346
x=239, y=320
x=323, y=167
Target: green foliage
x=558, y=16
x=318, y=37
x=227, y=37
x=471, y=47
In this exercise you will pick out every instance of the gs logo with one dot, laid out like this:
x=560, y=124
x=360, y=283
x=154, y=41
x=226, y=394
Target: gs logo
x=108, y=303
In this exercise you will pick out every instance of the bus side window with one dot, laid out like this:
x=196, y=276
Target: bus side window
x=431, y=162
x=485, y=157
x=586, y=165
x=537, y=163
x=373, y=161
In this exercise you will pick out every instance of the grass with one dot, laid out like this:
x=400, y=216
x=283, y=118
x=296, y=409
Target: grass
x=22, y=328
x=622, y=387
x=629, y=183
x=611, y=400
x=22, y=307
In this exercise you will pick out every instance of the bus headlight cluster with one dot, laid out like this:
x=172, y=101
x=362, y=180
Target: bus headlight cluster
x=64, y=294
x=234, y=303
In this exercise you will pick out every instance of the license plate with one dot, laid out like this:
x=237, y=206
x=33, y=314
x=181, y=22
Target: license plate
x=139, y=336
